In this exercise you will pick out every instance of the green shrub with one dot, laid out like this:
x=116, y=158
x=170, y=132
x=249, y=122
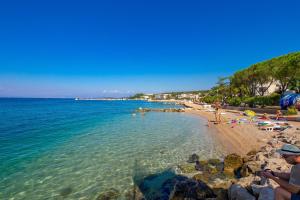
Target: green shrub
x=210, y=99
x=271, y=100
x=234, y=101
x=250, y=101
x=292, y=111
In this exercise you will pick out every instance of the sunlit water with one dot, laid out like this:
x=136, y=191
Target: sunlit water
x=62, y=148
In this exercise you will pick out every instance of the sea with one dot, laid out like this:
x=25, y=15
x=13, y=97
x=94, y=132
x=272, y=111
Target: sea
x=68, y=149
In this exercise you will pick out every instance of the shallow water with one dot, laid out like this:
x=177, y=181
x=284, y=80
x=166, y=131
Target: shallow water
x=61, y=148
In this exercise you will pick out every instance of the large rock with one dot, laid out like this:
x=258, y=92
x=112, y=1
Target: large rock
x=248, y=181
x=191, y=189
x=110, y=194
x=251, y=168
x=202, y=177
x=134, y=194
x=232, y=163
x=250, y=156
x=237, y=192
x=261, y=156
x=187, y=168
x=277, y=164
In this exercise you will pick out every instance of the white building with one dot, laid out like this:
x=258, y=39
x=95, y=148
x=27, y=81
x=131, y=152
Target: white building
x=273, y=88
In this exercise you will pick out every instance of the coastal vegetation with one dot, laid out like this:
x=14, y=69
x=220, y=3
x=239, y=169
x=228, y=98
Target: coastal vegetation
x=137, y=96
x=252, y=86
x=261, y=84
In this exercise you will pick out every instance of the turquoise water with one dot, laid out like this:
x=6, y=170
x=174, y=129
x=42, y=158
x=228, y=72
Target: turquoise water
x=66, y=149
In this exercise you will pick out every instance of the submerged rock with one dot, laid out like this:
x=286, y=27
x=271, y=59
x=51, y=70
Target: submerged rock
x=191, y=189
x=187, y=168
x=110, y=194
x=193, y=158
x=65, y=191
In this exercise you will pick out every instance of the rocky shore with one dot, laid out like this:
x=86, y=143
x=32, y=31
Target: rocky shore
x=235, y=177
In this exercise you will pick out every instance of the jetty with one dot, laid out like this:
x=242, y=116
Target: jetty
x=160, y=110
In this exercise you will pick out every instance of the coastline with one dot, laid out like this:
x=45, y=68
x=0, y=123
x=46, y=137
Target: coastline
x=239, y=139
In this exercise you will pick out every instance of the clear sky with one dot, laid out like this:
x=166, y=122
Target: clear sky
x=115, y=48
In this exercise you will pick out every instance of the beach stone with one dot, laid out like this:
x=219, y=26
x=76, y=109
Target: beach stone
x=297, y=143
x=202, y=177
x=232, y=163
x=191, y=189
x=277, y=164
x=214, y=162
x=250, y=156
x=261, y=157
x=221, y=183
x=110, y=194
x=252, y=153
x=134, y=194
x=187, y=168
x=251, y=167
x=266, y=149
x=246, y=182
x=213, y=170
x=193, y=158
x=237, y=192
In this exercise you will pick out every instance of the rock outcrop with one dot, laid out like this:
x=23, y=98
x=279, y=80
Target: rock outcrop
x=238, y=178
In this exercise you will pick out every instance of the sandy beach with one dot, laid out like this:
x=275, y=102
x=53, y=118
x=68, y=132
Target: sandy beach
x=239, y=138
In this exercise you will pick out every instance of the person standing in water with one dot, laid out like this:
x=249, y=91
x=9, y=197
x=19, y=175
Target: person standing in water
x=218, y=112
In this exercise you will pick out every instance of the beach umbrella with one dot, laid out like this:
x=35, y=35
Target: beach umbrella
x=250, y=113
x=289, y=100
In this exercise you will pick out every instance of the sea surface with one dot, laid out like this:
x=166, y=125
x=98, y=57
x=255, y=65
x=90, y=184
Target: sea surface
x=67, y=149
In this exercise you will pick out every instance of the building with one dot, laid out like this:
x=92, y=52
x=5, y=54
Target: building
x=273, y=88
x=162, y=96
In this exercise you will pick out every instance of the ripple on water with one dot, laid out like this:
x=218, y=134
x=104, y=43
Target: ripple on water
x=110, y=155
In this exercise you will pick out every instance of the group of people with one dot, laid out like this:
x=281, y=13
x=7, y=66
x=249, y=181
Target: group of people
x=289, y=183
x=217, y=107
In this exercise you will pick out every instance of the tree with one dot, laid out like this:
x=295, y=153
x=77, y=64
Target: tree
x=264, y=77
x=287, y=71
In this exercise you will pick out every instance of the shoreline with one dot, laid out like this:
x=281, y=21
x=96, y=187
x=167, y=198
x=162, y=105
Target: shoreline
x=240, y=139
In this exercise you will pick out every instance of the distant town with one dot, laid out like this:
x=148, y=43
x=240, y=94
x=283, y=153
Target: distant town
x=194, y=96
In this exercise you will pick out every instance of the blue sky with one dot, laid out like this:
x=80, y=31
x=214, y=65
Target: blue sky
x=116, y=48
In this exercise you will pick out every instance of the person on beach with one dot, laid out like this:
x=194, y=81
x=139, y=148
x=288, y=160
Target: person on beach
x=218, y=112
x=289, y=183
x=278, y=114
x=265, y=116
